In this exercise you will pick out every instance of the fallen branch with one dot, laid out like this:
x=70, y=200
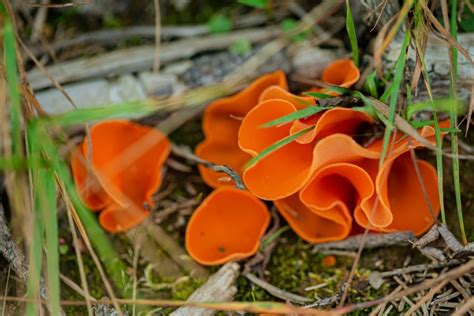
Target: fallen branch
x=184, y=152
x=141, y=58
x=273, y=290
x=112, y=36
x=219, y=288
x=371, y=241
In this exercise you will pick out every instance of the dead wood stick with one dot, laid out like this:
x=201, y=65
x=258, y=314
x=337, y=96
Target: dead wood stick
x=371, y=241
x=187, y=154
x=112, y=36
x=141, y=58
x=219, y=288
x=273, y=290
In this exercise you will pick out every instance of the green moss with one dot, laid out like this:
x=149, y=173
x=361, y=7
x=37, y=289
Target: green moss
x=182, y=290
x=248, y=292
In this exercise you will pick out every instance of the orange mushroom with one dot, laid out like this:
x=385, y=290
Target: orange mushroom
x=401, y=203
x=221, y=122
x=312, y=227
x=89, y=188
x=286, y=170
x=341, y=72
x=398, y=202
x=226, y=226
x=125, y=171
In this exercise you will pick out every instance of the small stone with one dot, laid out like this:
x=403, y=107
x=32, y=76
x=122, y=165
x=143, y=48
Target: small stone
x=376, y=280
x=178, y=68
x=88, y=94
x=127, y=88
x=158, y=84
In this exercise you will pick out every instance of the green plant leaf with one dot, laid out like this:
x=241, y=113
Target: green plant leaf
x=337, y=89
x=442, y=105
x=370, y=84
x=219, y=23
x=350, y=27
x=279, y=144
x=394, y=94
x=241, y=46
x=259, y=4
x=467, y=18
x=296, y=115
x=288, y=25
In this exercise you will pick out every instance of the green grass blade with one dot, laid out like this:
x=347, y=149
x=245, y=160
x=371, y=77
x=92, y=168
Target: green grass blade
x=311, y=110
x=36, y=244
x=117, y=111
x=11, y=73
x=279, y=144
x=370, y=84
x=441, y=105
x=20, y=163
x=439, y=140
x=453, y=120
x=49, y=218
x=394, y=88
x=350, y=27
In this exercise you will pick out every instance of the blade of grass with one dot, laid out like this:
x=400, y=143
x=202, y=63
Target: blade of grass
x=391, y=34
x=370, y=84
x=296, y=115
x=124, y=110
x=277, y=145
x=20, y=163
x=11, y=73
x=36, y=242
x=350, y=27
x=47, y=190
x=441, y=105
x=394, y=88
x=439, y=141
x=451, y=24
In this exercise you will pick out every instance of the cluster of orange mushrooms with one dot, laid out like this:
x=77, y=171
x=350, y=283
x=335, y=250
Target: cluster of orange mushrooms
x=324, y=183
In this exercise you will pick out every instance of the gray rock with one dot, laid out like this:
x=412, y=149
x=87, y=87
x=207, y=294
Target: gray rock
x=87, y=94
x=157, y=84
x=127, y=88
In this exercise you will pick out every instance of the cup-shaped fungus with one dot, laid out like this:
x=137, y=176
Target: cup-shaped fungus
x=341, y=72
x=407, y=192
x=221, y=122
x=125, y=171
x=287, y=169
x=398, y=202
x=310, y=226
x=226, y=226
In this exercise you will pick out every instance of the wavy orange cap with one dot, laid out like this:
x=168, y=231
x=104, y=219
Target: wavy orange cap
x=128, y=175
x=228, y=225
x=287, y=169
x=89, y=188
x=402, y=204
x=341, y=72
x=312, y=227
x=221, y=122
